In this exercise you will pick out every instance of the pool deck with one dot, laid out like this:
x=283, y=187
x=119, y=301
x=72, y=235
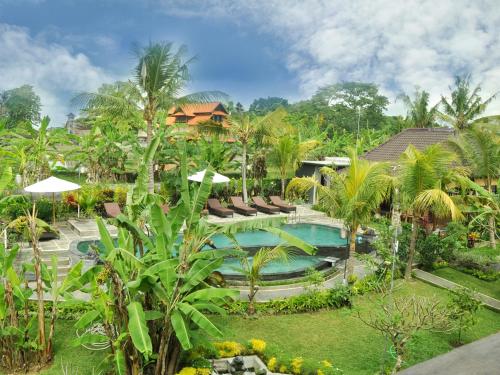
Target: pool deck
x=76, y=230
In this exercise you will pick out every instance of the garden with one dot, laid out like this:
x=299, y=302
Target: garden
x=153, y=299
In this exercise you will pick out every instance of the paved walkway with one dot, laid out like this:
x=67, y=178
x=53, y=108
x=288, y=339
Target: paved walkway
x=480, y=357
x=490, y=302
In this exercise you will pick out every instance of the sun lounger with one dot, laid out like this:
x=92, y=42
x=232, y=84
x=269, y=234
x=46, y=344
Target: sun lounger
x=241, y=207
x=214, y=207
x=283, y=206
x=112, y=209
x=262, y=206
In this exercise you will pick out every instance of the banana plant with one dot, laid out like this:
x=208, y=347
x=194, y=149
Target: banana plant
x=150, y=294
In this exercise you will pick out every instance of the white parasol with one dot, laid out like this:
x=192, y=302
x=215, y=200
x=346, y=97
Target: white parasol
x=52, y=185
x=216, y=179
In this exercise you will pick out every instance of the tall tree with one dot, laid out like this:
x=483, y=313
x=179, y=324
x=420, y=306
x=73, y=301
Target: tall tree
x=262, y=106
x=353, y=196
x=20, y=104
x=466, y=104
x=348, y=103
x=479, y=149
x=161, y=73
x=425, y=178
x=419, y=114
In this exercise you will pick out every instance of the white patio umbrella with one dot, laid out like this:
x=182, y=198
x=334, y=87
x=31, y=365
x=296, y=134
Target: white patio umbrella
x=216, y=179
x=52, y=185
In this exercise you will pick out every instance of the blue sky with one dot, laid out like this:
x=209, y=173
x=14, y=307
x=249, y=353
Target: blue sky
x=252, y=48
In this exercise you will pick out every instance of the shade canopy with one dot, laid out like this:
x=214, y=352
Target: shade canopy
x=52, y=185
x=216, y=179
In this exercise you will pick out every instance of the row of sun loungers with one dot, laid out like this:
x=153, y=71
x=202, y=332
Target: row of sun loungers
x=260, y=205
x=215, y=207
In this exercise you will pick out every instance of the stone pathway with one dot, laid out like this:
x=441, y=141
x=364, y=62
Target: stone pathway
x=477, y=358
x=490, y=302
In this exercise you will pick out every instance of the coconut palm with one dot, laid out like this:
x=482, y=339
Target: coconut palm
x=479, y=149
x=419, y=114
x=353, y=195
x=161, y=73
x=424, y=179
x=246, y=129
x=287, y=153
x=465, y=105
x=252, y=269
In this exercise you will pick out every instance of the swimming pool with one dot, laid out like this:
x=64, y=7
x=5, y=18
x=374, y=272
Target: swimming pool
x=327, y=239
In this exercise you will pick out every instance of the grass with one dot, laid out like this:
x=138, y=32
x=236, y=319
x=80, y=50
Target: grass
x=79, y=360
x=486, y=251
x=340, y=337
x=490, y=288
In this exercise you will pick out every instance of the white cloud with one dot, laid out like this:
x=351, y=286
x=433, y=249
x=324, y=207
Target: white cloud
x=55, y=72
x=396, y=44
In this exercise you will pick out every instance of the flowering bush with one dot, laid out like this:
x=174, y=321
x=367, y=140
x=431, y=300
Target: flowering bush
x=229, y=348
x=297, y=365
x=272, y=364
x=258, y=346
x=195, y=371
x=283, y=369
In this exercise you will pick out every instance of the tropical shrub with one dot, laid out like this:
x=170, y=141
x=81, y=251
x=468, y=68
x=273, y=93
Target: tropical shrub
x=463, y=308
x=258, y=346
x=229, y=348
x=44, y=209
x=15, y=206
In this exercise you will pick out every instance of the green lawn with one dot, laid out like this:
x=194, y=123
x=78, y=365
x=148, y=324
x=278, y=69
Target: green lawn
x=342, y=338
x=337, y=335
x=490, y=288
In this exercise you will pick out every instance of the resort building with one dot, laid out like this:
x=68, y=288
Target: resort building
x=421, y=138
x=198, y=113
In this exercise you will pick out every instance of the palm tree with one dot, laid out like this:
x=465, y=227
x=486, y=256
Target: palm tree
x=424, y=177
x=465, y=105
x=287, y=153
x=159, y=77
x=419, y=114
x=246, y=129
x=353, y=195
x=479, y=149
x=252, y=269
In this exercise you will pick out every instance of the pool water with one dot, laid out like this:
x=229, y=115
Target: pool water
x=326, y=239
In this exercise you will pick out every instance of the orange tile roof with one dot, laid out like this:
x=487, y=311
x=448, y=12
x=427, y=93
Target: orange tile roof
x=194, y=108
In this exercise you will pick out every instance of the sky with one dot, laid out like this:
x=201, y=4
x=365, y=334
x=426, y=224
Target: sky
x=252, y=48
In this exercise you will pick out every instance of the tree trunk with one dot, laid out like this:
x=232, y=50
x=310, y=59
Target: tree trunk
x=151, y=164
x=413, y=242
x=492, y=224
x=352, y=251
x=244, y=172
x=397, y=365
x=283, y=188
x=251, y=298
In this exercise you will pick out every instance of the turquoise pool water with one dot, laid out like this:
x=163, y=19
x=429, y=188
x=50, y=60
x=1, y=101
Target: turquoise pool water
x=326, y=238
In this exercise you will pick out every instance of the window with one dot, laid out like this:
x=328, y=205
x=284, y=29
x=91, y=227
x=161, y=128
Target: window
x=217, y=118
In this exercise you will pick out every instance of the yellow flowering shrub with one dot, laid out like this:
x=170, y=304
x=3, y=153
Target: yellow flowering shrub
x=297, y=365
x=258, y=346
x=229, y=348
x=320, y=372
x=203, y=371
x=187, y=371
x=272, y=364
x=283, y=369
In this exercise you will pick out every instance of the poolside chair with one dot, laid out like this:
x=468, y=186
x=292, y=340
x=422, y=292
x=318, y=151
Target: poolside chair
x=262, y=206
x=241, y=207
x=283, y=206
x=165, y=208
x=112, y=209
x=214, y=207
